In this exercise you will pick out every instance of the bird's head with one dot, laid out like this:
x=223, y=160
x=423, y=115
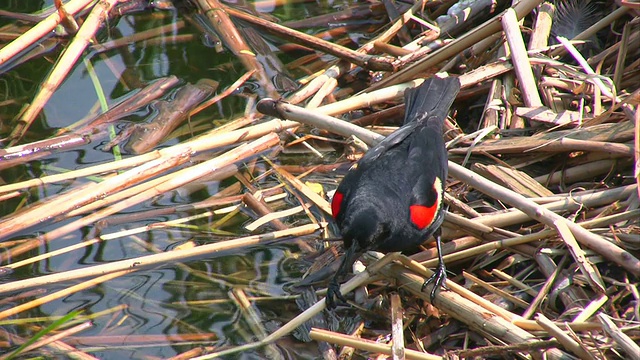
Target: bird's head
x=364, y=228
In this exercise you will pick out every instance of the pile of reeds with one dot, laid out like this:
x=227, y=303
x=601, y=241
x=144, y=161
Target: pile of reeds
x=542, y=232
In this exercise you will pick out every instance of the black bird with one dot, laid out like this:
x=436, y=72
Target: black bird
x=391, y=200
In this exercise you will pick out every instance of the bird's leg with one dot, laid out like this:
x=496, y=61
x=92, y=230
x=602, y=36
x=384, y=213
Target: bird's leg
x=440, y=274
x=333, y=291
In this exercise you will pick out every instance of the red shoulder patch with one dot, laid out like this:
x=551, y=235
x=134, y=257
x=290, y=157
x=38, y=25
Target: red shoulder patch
x=422, y=216
x=335, y=203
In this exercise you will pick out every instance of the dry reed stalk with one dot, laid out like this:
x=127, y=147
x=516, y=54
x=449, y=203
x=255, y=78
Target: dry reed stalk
x=156, y=259
x=495, y=290
x=629, y=345
x=368, y=345
x=579, y=256
x=140, y=36
x=396, y=27
x=40, y=30
x=514, y=282
x=129, y=232
x=397, y=329
x=208, y=141
x=542, y=27
x=228, y=91
x=476, y=317
x=454, y=288
x=469, y=39
x=357, y=281
x=577, y=173
x=223, y=173
x=607, y=90
x=591, y=309
x=80, y=196
x=219, y=19
x=193, y=353
x=318, y=200
x=48, y=340
x=169, y=157
x=64, y=65
x=365, y=61
x=519, y=58
x=78, y=319
x=132, y=340
x=274, y=216
x=66, y=292
x=564, y=339
x=80, y=173
x=593, y=241
x=251, y=315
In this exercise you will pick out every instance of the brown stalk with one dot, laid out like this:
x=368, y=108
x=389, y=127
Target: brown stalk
x=365, y=61
x=143, y=262
x=470, y=38
x=40, y=30
x=63, y=67
x=170, y=182
x=231, y=37
x=366, y=345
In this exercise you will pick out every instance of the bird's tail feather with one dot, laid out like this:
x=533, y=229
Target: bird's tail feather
x=431, y=99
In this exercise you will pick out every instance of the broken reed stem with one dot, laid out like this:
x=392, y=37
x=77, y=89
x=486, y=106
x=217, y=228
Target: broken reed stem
x=591, y=274
x=520, y=59
x=397, y=328
x=629, y=345
x=504, y=350
x=542, y=26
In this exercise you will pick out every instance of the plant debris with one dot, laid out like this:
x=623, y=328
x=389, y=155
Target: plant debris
x=542, y=232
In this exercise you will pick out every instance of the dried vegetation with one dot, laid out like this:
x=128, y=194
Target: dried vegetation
x=542, y=233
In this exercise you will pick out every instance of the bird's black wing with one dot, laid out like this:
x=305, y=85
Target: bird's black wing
x=427, y=167
x=385, y=145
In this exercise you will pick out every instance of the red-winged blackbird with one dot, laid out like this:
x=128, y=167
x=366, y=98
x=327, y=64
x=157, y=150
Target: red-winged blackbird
x=392, y=199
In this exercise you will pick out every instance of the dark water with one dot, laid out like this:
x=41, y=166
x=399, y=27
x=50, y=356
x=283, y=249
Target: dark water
x=154, y=301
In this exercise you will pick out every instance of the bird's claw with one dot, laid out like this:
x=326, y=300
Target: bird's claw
x=438, y=280
x=333, y=293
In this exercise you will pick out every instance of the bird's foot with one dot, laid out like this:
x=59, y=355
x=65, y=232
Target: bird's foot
x=333, y=293
x=438, y=279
